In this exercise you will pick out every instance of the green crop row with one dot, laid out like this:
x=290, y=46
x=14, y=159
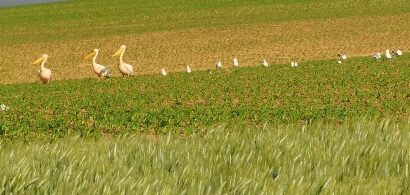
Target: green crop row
x=181, y=102
x=73, y=20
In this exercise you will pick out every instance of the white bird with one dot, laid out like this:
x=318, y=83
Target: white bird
x=293, y=64
x=188, y=69
x=218, y=64
x=388, y=55
x=377, y=56
x=398, y=53
x=4, y=107
x=342, y=56
x=163, y=72
x=100, y=70
x=265, y=63
x=125, y=69
x=235, y=62
x=44, y=73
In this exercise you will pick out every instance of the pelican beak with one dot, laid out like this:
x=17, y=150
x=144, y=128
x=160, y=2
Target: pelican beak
x=38, y=61
x=89, y=55
x=118, y=52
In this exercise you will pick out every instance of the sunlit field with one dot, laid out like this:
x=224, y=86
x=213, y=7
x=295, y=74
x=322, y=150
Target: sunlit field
x=320, y=127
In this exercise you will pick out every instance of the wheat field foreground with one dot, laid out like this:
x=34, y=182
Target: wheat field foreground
x=364, y=157
x=194, y=33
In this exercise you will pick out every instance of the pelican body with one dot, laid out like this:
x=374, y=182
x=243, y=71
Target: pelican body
x=44, y=73
x=125, y=69
x=100, y=70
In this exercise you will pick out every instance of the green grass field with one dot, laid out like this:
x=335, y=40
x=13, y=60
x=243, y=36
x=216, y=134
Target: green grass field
x=95, y=19
x=356, y=158
x=322, y=127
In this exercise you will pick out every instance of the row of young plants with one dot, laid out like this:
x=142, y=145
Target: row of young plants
x=248, y=96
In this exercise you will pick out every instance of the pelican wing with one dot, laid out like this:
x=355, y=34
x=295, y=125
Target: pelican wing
x=129, y=68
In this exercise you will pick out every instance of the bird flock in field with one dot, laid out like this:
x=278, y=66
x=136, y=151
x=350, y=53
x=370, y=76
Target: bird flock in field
x=127, y=70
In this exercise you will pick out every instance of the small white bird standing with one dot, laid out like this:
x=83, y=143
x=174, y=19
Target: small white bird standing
x=125, y=69
x=44, y=73
x=388, y=55
x=342, y=56
x=218, y=64
x=188, y=69
x=235, y=62
x=100, y=70
x=377, y=56
x=398, y=53
x=4, y=107
x=293, y=64
x=163, y=72
x=265, y=63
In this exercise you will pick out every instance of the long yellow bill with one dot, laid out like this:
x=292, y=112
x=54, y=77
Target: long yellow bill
x=89, y=55
x=118, y=52
x=38, y=61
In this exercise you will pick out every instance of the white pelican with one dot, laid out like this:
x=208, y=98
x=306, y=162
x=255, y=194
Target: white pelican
x=398, y=53
x=125, y=69
x=265, y=63
x=99, y=69
x=218, y=64
x=235, y=62
x=163, y=72
x=377, y=56
x=188, y=69
x=388, y=55
x=44, y=73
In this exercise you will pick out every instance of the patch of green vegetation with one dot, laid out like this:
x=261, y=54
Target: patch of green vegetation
x=363, y=157
x=180, y=102
x=75, y=20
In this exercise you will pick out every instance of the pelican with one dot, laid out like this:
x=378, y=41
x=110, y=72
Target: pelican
x=388, y=55
x=265, y=63
x=218, y=64
x=235, y=62
x=44, y=73
x=163, y=72
x=398, y=53
x=188, y=69
x=377, y=56
x=99, y=69
x=125, y=68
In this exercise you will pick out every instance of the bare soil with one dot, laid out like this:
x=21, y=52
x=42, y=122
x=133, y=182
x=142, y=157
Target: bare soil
x=202, y=48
